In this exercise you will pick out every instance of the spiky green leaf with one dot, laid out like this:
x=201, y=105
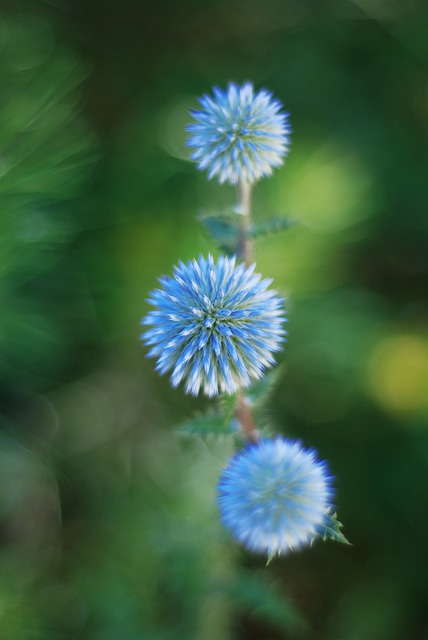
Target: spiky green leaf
x=208, y=424
x=260, y=392
x=223, y=230
x=227, y=405
x=331, y=529
x=270, y=226
x=256, y=593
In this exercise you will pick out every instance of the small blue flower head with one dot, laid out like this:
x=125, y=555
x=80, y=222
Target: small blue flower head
x=215, y=326
x=274, y=496
x=239, y=135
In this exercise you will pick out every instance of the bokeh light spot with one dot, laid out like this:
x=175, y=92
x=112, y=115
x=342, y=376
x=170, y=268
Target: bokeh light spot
x=398, y=374
x=329, y=192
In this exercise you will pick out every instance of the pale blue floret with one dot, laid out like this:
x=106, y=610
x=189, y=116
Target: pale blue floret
x=239, y=135
x=215, y=326
x=274, y=496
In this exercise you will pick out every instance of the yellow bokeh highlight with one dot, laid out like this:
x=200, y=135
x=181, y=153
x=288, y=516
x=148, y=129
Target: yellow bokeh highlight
x=398, y=374
x=330, y=191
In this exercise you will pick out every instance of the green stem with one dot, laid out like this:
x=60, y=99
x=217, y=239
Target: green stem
x=243, y=413
x=216, y=609
x=244, y=204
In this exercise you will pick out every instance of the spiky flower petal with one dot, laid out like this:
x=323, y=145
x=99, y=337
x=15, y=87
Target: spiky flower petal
x=215, y=326
x=274, y=496
x=239, y=135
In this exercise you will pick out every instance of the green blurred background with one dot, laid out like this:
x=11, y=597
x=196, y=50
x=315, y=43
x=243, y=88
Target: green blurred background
x=108, y=524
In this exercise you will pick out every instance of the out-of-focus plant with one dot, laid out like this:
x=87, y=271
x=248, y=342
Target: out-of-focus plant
x=45, y=152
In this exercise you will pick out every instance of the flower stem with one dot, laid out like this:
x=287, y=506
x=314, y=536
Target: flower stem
x=244, y=204
x=245, y=419
x=243, y=413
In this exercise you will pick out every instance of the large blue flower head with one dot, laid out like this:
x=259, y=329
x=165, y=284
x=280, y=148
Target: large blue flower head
x=239, y=135
x=215, y=325
x=274, y=496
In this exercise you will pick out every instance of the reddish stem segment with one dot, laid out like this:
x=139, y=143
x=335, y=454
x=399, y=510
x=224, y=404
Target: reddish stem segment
x=245, y=419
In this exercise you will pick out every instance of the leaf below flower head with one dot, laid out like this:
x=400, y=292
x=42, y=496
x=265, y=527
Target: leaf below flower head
x=210, y=424
x=331, y=529
x=270, y=226
x=224, y=231
x=260, y=391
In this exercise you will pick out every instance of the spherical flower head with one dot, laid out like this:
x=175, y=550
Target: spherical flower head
x=215, y=326
x=239, y=135
x=274, y=495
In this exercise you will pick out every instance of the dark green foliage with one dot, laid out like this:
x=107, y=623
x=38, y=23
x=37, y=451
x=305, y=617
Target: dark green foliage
x=45, y=153
x=260, y=598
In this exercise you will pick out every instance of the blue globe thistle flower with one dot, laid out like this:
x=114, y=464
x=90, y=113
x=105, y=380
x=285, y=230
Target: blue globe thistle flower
x=274, y=496
x=239, y=135
x=215, y=326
